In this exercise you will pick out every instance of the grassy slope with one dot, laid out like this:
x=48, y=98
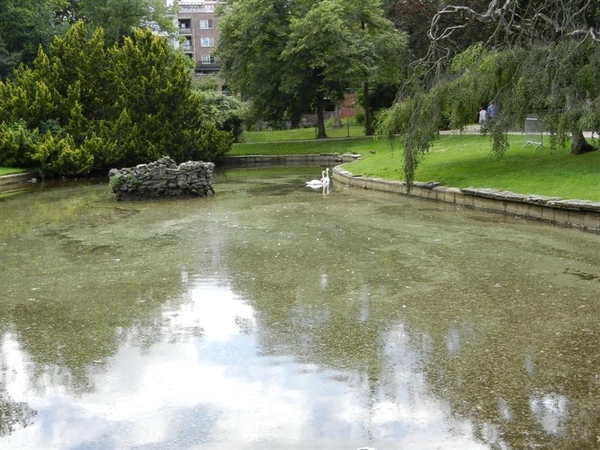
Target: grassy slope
x=354, y=145
x=9, y=170
x=463, y=161
x=302, y=133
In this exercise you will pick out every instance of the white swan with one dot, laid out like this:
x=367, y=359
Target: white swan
x=316, y=183
x=322, y=183
x=326, y=181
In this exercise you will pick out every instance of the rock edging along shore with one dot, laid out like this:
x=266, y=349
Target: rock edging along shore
x=16, y=178
x=309, y=159
x=581, y=214
x=162, y=178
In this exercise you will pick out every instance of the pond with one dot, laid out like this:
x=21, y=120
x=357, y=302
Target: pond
x=273, y=316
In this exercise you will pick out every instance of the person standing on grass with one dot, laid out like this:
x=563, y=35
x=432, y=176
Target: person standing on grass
x=482, y=116
x=491, y=111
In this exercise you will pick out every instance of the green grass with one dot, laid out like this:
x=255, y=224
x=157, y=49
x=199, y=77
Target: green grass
x=301, y=134
x=463, y=161
x=10, y=170
x=354, y=145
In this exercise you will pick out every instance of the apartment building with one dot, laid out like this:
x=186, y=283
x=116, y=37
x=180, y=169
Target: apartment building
x=198, y=25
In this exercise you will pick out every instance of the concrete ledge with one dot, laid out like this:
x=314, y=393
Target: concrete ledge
x=580, y=214
x=16, y=178
x=320, y=159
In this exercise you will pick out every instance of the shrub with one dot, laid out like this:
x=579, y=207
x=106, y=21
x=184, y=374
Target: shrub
x=85, y=106
x=16, y=143
x=59, y=156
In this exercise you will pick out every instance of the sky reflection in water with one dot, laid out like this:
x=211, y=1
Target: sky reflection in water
x=217, y=391
x=248, y=324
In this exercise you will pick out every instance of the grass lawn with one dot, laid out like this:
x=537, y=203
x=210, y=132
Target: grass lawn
x=10, y=170
x=463, y=161
x=302, y=134
x=360, y=145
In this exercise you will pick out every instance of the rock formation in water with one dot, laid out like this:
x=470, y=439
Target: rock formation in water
x=162, y=178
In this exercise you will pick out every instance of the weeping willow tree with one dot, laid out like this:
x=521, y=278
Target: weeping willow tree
x=540, y=57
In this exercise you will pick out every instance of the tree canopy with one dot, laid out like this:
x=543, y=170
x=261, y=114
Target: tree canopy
x=27, y=24
x=85, y=105
x=225, y=112
x=291, y=56
x=536, y=57
x=253, y=35
x=120, y=18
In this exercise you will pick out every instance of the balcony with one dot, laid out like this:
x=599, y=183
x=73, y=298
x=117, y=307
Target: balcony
x=185, y=27
x=192, y=9
x=207, y=66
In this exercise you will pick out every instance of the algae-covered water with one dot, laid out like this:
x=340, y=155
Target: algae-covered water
x=273, y=316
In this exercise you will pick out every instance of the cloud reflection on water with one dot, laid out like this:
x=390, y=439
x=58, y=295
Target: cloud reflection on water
x=216, y=391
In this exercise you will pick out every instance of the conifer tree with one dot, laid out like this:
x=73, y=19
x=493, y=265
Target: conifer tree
x=85, y=106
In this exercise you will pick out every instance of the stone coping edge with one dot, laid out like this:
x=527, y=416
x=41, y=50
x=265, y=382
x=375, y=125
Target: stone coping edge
x=580, y=214
x=289, y=160
x=15, y=178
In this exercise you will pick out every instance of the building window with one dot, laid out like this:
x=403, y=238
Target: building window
x=206, y=24
x=207, y=42
x=207, y=59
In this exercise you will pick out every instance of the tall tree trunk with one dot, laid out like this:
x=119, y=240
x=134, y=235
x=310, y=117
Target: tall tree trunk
x=320, y=118
x=579, y=145
x=369, y=131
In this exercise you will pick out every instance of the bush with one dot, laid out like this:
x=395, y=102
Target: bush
x=359, y=118
x=225, y=112
x=85, y=106
x=60, y=156
x=16, y=143
x=205, y=144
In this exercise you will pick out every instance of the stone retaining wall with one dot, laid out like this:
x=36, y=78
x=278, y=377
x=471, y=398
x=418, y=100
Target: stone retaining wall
x=163, y=178
x=321, y=159
x=16, y=178
x=571, y=213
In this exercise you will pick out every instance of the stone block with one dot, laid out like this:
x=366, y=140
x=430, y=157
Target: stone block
x=548, y=214
x=511, y=208
x=536, y=212
x=591, y=221
x=523, y=209
x=561, y=216
x=469, y=201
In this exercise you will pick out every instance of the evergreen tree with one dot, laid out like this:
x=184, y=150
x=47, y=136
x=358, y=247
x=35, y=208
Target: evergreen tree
x=85, y=106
